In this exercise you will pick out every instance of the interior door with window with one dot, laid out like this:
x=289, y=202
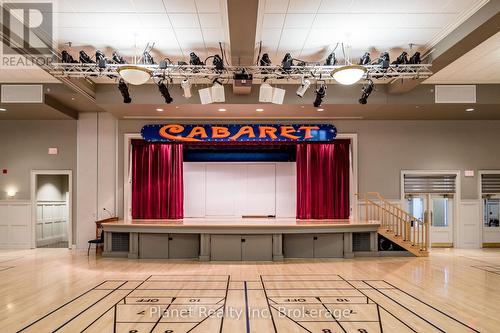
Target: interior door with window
x=440, y=213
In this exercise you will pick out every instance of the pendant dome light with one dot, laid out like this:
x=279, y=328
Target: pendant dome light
x=348, y=74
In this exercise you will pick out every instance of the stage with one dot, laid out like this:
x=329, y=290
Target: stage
x=234, y=239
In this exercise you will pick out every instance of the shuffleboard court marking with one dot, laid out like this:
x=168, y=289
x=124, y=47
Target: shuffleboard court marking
x=4, y=268
x=374, y=306
x=488, y=268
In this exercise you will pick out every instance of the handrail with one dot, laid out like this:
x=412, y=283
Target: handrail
x=395, y=220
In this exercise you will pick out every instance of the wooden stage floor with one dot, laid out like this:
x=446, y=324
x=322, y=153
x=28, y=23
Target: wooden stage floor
x=48, y=290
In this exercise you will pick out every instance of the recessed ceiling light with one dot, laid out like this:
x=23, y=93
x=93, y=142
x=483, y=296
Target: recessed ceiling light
x=3, y=110
x=72, y=98
x=259, y=110
x=469, y=109
x=221, y=110
x=159, y=109
x=320, y=110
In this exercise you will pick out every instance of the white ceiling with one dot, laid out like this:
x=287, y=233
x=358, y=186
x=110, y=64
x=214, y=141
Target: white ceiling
x=309, y=29
x=176, y=26
x=479, y=65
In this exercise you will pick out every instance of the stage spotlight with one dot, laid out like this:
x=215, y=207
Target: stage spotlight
x=331, y=60
x=278, y=96
x=147, y=58
x=384, y=60
x=162, y=87
x=67, y=58
x=195, y=60
x=265, y=93
x=402, y=59
x=118, y=58
x=415, y=59
x=122, y=86
x=214, y=94
x=287, y=62
x=218, y=63
x=365, y=59
x=265, y=60
x=366, y=91
x=217, y=92
x=85, y=59
x=304, y=85
x=320, y=94
x=186, y=86
x=100, y=58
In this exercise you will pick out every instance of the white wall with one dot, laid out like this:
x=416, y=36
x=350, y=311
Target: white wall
x=239, y=189
x=96, y=172
x=15, y=224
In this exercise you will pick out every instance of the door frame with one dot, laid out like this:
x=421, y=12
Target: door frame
x=480, y=174
x=457, y=196
x=34, y=174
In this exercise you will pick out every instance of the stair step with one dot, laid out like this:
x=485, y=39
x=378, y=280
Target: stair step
x=405, y=244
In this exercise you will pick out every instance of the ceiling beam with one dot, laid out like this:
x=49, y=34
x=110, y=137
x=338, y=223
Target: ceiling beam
x=242, y=16
x=476, y=29
x=55, y=104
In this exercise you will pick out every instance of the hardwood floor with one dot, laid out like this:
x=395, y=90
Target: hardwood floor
x=451, y=290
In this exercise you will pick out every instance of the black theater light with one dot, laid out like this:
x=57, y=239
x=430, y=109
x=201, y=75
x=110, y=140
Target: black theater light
x=85, y=58
x=118, y=58
x=123, y=87
x=67, y=58
x=331, y=60
x=287, y=62
x=265, y=60
x=195, y=60
x=365, y=59
x=162, y=87
x=366, y=91
x=320, y=94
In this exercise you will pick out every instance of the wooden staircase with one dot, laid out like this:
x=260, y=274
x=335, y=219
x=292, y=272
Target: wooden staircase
x=396, y=224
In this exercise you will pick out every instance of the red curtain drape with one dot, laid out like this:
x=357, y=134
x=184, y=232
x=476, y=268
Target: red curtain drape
x=157, y=181
x=323, y=180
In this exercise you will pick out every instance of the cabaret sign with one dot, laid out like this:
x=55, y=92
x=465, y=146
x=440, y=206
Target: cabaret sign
x=239, y=133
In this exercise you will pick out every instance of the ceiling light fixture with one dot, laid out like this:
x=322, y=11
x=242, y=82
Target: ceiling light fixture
x=159, y=110
x=349, y=74
x=221, y=110
x=469, y=110
x=259, y=110
x=134, y=74
x=3, y=110
x=320, y=110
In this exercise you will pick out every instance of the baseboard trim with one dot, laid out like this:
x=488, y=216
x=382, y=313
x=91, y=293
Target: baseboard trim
x=441, y=245
x=491, y=245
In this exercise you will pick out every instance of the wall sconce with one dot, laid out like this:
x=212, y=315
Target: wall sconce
x=11, y=192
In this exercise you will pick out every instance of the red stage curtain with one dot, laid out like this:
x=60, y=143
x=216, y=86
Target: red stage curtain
x=157, y=181
x=323, y=180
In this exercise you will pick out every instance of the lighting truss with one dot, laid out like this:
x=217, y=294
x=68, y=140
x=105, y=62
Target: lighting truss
x=207, y=73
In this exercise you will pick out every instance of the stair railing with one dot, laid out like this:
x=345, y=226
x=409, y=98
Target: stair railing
x=394, y=220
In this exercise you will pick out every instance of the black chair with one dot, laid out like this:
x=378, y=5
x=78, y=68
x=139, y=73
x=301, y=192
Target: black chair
x=97, y=241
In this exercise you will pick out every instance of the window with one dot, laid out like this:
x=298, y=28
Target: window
x=491, y=215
